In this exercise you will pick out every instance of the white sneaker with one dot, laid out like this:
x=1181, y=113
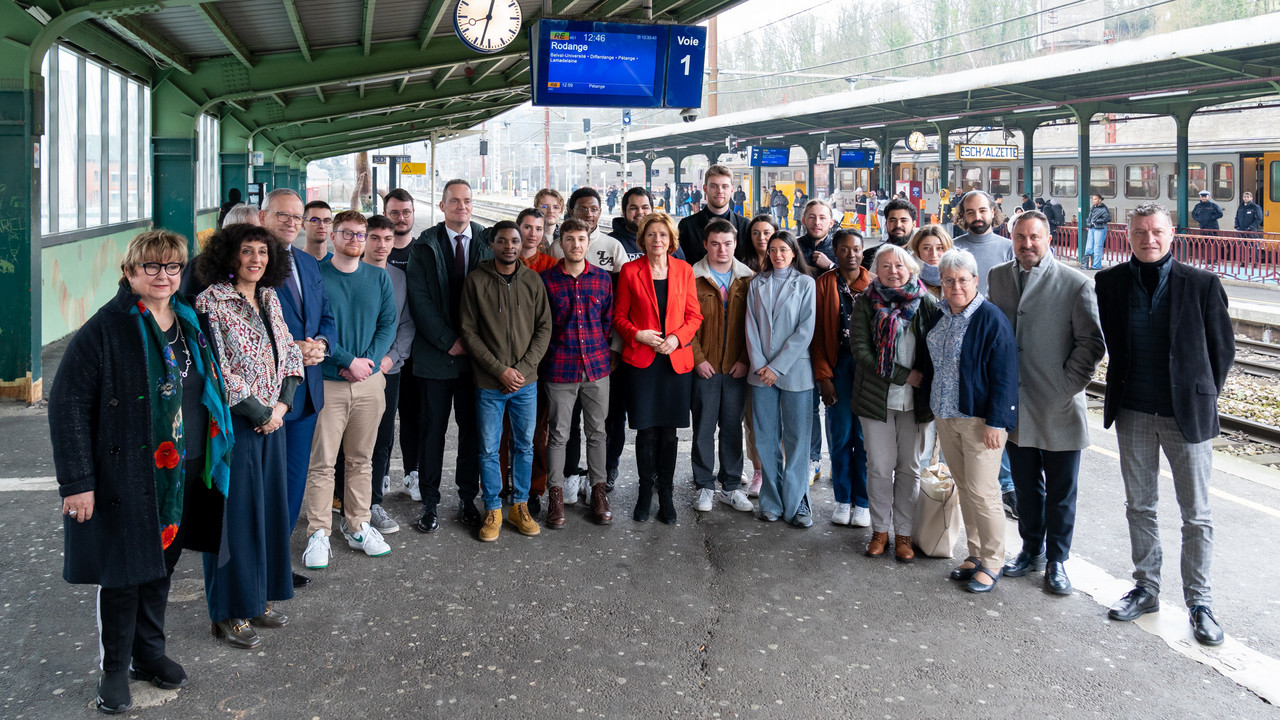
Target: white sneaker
x=368, y=540
x=571, y=483
x=386, y=484
x=861, y=517
x=705, y=497
x=381, y=521
x=411, y=486
x=736, y=500
x=815, y=471
x=840, y=516
x=317, y=554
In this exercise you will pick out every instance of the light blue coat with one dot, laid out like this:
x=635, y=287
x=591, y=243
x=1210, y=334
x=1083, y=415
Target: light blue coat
x=779, y=330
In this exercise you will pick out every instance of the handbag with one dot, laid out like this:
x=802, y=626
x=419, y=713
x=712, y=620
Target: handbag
x=937, y=522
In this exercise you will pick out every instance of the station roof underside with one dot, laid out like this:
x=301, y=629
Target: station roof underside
x=1161, y=75
x=327, y=77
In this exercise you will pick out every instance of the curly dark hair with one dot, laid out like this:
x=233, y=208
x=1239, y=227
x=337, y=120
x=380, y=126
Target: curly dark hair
x=221, y=257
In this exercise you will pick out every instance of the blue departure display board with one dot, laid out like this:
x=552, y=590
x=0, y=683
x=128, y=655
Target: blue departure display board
x=601, y=64
x=856, y=158
x=770, y=156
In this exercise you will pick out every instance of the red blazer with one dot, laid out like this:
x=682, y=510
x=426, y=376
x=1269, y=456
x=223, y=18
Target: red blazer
x=635, y=308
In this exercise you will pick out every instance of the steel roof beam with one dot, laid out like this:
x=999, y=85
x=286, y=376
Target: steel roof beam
x=295, y=21
x=373, y=142
x=367, y=34
x=607, y=8
x=487, y=71
x=225, y=33
x=151, y=43
x=319, y=94
x=431, y=20
x=367, y=125
x=697, y=10
x=1235, y=66
x=443, y=75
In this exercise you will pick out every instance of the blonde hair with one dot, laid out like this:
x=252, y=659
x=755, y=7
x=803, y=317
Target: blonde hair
x=153, y=246
x=665, y=219
x=928, y=231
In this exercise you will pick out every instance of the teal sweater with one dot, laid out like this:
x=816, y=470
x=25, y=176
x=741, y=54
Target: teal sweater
x=364, y=309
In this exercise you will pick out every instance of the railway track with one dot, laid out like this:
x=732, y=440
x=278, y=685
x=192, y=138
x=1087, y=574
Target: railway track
x=1253, y=430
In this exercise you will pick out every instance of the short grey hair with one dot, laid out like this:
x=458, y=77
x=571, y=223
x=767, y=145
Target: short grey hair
x=957, y=259
x=242, y=213
x=901, y=252
x=1149, y=209
x=279, y=193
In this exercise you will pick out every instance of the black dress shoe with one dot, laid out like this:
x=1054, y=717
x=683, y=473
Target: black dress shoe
x=963, y=574
x=427, y=522
x=1135, y=603
x=1010, y=505
x=1023, y=564
x=1056, y=581
x=470, y=515
x=113, y=693
x=163, y=673
x=611, y=477
x=535, y=505
x=300, y=580
x=1205, y=626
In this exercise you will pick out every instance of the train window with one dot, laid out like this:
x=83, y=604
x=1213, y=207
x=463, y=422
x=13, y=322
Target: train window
x=1141, y=181
x=1197, y=177
x=846, y=181
x=931, y=180
x=1275, y=181
x=1224, y=181
x=905, y=174
x=800, y=175
x=1037, y=181
x=1102, y=180
x=972, y=178
x=1063, y=180
x=1001, y=180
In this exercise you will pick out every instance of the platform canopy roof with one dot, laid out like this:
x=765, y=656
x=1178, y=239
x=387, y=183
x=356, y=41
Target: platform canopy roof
x=319, y=78
x=1160, y=74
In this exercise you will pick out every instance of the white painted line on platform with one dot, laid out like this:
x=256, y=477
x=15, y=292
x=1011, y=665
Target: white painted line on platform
x=39, y=483
x=1244, y=502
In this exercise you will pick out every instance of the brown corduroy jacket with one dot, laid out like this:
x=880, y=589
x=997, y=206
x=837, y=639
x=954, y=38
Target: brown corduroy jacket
x=721, y=339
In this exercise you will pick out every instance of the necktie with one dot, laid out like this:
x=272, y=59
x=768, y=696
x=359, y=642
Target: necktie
x=1022, y=280
x=460, y=257
x=295, y=283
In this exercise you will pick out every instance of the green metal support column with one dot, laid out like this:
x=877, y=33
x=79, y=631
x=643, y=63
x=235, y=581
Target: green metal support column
x=757, y=199
x=282, y=176
x=295, y=177
x=302, y=180
x=1182, y=116
x=944, y=159
x=1029, y=157
x=1084, y=116
x=173, y=161
x=811, y=152
x=886, y=161
x=21, y=118
x=266, y=174
x=648, y=178
x=233, y=156
x=676, y=159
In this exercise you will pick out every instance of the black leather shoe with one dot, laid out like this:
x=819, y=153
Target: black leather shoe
x=1056, y=581
x=1024, y=563
x=975, y=586
x=1205, y=626
x=1010, y=505
x=163, y=673
x=535, y=505
x=963, y=574
x=300, y=581
x=427, y=522
x=113, y=693
x=470, y=515
x=611, y=477
x=1135, y=603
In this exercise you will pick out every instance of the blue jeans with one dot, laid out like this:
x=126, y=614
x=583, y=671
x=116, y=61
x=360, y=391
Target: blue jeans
x=815, y=431
x=1006, y=475
x=782, y=423
x=848, y=456
x=521, y=407
x=1094, y=246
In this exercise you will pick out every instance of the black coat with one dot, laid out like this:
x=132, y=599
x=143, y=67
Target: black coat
x=100, y=428
x=1201, y=342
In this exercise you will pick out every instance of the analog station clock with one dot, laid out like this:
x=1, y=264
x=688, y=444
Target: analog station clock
x=487, y=26
x=916, y=142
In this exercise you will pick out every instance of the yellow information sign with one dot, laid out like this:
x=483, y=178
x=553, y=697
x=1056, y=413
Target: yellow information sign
x=413, y=168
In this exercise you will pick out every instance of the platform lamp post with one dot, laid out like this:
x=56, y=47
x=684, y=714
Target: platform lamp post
x=626, y=125
x=586, y=128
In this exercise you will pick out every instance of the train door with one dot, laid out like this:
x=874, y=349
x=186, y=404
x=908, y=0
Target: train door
x=1269, y=197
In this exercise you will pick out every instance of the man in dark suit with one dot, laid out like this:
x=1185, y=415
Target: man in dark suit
x=439, y=260
x=306, y=311
x=1171, y=344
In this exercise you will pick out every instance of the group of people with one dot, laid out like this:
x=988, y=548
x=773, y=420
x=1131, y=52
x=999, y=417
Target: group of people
x=271, y=368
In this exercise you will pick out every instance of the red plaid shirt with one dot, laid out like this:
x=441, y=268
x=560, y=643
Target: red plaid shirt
x=581, y=318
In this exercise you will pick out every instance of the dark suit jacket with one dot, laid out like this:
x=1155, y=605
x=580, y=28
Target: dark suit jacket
x=1201, y=342
x=313, y=320
x=427, y=277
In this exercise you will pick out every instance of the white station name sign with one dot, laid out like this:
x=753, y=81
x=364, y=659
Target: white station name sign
x=986, y=152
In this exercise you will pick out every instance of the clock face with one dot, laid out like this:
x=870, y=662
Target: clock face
x=487, y=26
x=915, y=141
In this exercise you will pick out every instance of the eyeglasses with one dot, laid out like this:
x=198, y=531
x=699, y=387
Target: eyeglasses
x=153, y=268
x=285, y=218
x=312, y=220
x=400, y=214
x=959, y=282
x=351, y=235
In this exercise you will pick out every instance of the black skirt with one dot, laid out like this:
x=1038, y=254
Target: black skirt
x=657, y=396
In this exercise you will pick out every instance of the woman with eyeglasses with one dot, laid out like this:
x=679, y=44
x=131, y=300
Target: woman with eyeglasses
x=135, y=417
x=262, y=367
x=974, y=396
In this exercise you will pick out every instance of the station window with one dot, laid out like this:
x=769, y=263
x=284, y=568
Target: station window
x=1063, y=180
x=94, y=160
x=1102, y=180
x=207, y=187
x=1224, y=181
x=1001, y=180
x=1197, y=178
x=1141, y=181
x=1037, y=181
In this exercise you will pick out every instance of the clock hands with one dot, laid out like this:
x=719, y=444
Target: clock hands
x=487, y=19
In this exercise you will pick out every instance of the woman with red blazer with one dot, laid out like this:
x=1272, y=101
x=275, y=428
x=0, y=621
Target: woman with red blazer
x=656, y=312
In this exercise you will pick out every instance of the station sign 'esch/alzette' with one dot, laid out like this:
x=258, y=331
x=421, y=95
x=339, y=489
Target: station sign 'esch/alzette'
x=986, y=152
x=602, y=64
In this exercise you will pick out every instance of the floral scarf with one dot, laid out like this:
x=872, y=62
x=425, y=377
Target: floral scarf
x=167, y=429
x=894, y=309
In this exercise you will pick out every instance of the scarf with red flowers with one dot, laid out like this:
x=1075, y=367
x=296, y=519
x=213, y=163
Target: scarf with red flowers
x=167, y=429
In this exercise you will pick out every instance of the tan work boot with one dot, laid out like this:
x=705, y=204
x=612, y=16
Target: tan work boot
x=902, y=548
x=520, y=519
x=492, y=523
x=879, y=541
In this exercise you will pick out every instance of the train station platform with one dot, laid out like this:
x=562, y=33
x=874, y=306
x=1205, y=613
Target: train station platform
x=719, y=616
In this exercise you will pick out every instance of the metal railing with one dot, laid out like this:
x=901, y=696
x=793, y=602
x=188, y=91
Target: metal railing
x=1251, y=257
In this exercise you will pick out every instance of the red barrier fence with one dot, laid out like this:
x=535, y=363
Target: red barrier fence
x=1252, y=257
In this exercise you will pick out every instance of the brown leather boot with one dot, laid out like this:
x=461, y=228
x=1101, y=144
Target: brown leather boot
x=600, y=505
x=879, y=541
x=902, y=548
x=555, y=507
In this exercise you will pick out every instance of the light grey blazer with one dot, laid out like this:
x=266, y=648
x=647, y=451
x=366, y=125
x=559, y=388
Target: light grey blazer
x=779, y=331
x=1055, y=320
